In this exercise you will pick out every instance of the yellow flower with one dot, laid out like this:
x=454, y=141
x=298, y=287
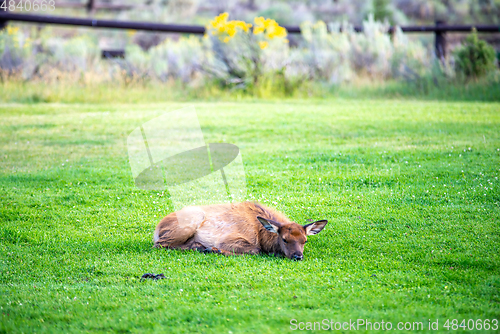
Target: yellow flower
x=259, y=21
x=219, y=20
x=271, y=28
x=258, y=30
x=243, y=25
x=260, y=25
x=319, y=24
x=276, y=31
x=263, y=44
x=12, y=30
x=226, y=29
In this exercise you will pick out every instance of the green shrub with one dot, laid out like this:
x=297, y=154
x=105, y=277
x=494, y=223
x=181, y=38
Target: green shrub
x=381, y=10
x=475, y=58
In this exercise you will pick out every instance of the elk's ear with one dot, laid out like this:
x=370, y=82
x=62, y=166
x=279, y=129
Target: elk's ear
x=269, y=225
x=316, y=227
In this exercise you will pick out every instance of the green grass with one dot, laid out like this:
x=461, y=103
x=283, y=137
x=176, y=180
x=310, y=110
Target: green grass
x=68, y=91
x=410, y=189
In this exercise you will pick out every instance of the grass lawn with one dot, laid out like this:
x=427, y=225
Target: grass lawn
x=410, y=189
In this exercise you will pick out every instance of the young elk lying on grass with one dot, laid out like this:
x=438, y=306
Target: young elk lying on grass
x=237, y=228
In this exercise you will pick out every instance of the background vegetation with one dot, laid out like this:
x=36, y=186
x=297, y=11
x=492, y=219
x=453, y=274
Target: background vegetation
x=294, y=12
x=315, y=63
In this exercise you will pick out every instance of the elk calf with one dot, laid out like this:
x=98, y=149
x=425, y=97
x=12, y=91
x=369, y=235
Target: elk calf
x=236, y=228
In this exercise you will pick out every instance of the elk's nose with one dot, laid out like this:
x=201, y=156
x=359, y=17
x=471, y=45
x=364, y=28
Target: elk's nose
x=297, y=257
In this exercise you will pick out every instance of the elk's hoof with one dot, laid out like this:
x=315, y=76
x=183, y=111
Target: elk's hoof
x=212, y=250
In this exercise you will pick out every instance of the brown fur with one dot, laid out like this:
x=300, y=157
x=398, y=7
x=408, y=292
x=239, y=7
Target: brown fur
x=234, y=229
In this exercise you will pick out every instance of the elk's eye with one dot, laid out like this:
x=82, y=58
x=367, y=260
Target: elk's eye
x=285, y=241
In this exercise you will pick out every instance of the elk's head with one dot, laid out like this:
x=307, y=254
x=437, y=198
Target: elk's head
x=292, y=236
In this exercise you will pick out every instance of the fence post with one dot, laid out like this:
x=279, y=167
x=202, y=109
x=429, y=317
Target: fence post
x=91, y=7
x=440, y=42
x=3, y=4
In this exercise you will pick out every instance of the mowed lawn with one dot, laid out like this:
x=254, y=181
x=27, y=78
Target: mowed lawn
x=410, y=189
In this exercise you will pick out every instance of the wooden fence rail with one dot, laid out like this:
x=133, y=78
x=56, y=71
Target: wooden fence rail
x=440, y=29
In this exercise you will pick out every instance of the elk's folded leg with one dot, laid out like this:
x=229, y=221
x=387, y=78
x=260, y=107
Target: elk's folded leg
x=177, y=229
x=240, y=246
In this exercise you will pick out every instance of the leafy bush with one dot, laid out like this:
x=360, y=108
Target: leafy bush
x=337, y=53
x=381, y=10
x=475, y=58
x=14, y=48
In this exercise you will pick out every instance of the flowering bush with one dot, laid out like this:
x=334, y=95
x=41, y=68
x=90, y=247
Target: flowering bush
x=225, y=29
x=475, y=58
